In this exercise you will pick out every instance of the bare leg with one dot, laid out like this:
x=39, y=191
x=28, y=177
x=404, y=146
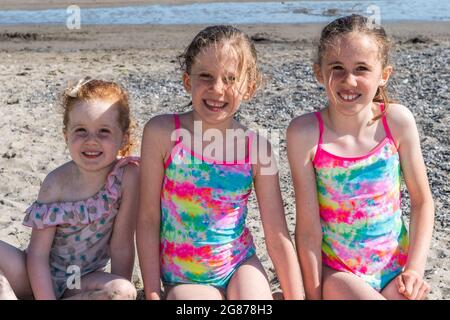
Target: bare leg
x=14, y=280
x=102, y=286
x=249, y=282
x=390, y=292
x=193, y=292
x=6, y=291
x=339, y=285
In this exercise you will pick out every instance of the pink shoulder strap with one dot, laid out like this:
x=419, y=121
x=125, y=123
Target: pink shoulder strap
x=319, y=119
x=176, y=119
x=385, y=124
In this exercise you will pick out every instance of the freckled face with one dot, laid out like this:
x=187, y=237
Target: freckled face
x=216, y=84
x=93, y=134
x=351, y=70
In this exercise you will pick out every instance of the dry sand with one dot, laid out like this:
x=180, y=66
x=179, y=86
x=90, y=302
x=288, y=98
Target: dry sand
x=37, y=62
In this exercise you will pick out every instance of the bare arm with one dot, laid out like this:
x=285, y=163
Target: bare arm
x=301, y=139
x=148, y=230
x=38, y=265
x=278, y=241
x=405, y=132
x=122, y=240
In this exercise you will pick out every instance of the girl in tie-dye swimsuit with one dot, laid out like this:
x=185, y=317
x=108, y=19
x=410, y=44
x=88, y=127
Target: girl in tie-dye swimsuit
x=346, y=163
x=203, y=209
x=194, y=196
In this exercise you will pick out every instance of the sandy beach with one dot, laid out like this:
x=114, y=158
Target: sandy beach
x=37, y=62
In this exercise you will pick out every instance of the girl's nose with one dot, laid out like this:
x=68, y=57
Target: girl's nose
x=218, y=85
x=350, y=79
x=91, y=137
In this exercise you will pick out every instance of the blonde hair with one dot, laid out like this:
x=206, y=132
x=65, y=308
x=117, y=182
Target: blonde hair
x=358, y=23
x=238, y=40
x=88, y=89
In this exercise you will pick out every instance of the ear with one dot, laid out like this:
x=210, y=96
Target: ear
x=125, y=139
x=65, y=134
x=250, y=92
x=318, y=73
x=187, y=82
x=385, y=74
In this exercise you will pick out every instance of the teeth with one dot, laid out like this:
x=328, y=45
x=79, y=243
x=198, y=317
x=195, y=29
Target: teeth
x=348, y=97
x=91, y=153
x=215, y=104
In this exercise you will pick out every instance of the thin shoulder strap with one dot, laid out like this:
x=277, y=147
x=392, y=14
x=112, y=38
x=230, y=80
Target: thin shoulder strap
x=385, y=124
x=251, y=137
x=319, y=119
x=176, y=119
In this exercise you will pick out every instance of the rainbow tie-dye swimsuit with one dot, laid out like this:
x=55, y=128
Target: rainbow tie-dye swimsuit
x=359, y=201
x=203, y=210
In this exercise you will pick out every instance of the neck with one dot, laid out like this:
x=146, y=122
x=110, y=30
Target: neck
x=351, y=123
x=221, y=126
x=92, y=178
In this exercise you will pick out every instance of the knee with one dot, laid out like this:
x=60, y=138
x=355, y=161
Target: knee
x=3, y=280
x=120, y=289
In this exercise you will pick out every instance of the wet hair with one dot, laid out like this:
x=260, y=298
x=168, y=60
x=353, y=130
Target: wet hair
x=238, y=40
x=361, y=24
x=88, y=89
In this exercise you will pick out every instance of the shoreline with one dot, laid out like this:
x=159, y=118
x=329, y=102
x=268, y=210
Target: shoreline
x=115, y=37
x=50, y=4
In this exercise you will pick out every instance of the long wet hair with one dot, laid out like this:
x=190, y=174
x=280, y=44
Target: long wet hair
x=239, y=42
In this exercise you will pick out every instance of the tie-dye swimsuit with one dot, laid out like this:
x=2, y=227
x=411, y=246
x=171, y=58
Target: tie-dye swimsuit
x=203, y=209
x=359, y=201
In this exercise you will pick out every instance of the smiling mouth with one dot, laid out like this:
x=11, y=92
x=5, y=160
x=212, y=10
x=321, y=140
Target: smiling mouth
x=349, y=97
x=92, y=154
x=215, y=106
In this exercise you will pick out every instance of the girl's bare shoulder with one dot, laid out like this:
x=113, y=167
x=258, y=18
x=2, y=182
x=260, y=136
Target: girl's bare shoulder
x=304, y=128
x=54, y=182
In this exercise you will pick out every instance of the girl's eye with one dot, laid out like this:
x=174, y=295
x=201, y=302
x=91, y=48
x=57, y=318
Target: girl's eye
x=205, y=77
x=230, y=80
x=105, y=131
x=361, y=68
x=80, y=130
x=337, y=68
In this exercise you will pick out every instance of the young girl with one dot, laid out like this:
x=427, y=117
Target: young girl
x=86, y=210
x=345, y=161
x=193, y=202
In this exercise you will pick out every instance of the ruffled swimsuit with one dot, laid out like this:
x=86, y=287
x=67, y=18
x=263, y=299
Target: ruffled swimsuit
x=203, y=210
x=83, y=228
x=359, y=201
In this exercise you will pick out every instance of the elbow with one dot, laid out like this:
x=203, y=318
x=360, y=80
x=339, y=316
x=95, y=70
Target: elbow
x=424, y=204
x=277, y=243
x=308, y=237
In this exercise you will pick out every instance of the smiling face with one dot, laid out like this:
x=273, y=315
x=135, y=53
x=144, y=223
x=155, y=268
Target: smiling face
x=351, y=70
x=93, y=134
x=216, y=83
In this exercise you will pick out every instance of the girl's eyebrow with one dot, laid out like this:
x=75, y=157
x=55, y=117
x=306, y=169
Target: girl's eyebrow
x=101, y=125
x=334, y=62
x=338, y=62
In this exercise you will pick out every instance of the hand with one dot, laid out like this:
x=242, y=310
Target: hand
x=154, y=296
x=411, y=284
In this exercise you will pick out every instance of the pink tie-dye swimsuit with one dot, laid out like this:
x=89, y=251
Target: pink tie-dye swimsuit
x=203, y=209
x=359, y=201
